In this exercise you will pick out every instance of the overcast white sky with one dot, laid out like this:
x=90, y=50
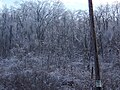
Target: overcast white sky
x=83, y=4
x=71, y=4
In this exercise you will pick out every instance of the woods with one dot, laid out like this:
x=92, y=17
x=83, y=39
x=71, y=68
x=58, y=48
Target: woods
x=46, y=37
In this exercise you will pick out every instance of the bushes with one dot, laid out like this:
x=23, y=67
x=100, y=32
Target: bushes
x=26, y=81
